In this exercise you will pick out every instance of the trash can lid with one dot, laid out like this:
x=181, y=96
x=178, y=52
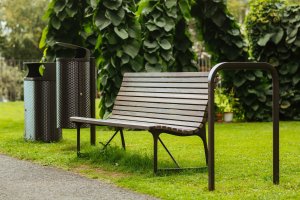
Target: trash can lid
x=81, y=52
x=41, y=71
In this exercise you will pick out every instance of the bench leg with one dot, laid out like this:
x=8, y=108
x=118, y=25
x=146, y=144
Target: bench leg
x=203, y=137
x=122, y=139
x=78, y=138
x=155, y=139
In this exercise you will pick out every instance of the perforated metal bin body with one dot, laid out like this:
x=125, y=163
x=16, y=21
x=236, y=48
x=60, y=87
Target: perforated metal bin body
x=73, y=86
x=40, y=104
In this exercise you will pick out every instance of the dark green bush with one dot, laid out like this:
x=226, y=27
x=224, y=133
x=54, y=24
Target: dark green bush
x=166, y=44
x=118, y=45
x=64, y=25
x=274, y=36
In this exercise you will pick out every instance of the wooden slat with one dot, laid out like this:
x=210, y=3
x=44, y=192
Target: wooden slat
x=165, y=90
x=166, y=79
x=165, y=105
x=114, y=123
x=165, y=85
x=160, y=121
x=129, y=124
x=164, y=95
x=163, y=100
x=158, y=116
x=161, y=110
x=167, y=74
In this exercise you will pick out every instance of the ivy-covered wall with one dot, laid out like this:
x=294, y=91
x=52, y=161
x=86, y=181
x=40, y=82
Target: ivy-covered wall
x=64, y=25
x=118, y=46
x=274, y=37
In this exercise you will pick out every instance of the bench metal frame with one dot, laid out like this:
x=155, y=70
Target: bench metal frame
x=211, y=114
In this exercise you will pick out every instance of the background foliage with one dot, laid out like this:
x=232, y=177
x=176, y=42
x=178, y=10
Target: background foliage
x=166, y=43
x=274, y=36
x=11, y=83
x=20, y=28
x=118, y=45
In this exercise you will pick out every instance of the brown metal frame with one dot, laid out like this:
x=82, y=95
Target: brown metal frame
x=211, y=114
x=156, y=133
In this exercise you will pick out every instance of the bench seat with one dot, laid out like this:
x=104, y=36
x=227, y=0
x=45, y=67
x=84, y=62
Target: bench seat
x=120, y=123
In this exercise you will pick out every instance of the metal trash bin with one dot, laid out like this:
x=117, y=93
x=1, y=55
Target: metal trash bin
x=40, y=103
x=73, y=86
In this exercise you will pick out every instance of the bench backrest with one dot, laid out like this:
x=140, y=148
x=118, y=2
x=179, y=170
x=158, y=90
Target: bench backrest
x=171, y=98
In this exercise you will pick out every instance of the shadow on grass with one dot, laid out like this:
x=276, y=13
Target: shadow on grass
x=116, y=158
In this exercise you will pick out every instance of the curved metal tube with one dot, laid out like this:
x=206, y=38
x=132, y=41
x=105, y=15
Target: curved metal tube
x=211, y=114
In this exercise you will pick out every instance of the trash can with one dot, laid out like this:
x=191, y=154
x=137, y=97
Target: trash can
x=73, y=86
x=40, y=103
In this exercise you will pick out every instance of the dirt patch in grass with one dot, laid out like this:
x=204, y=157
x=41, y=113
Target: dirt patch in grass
x=95, y=173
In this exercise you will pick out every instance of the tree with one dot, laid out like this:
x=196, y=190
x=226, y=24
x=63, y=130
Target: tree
x=21, y=23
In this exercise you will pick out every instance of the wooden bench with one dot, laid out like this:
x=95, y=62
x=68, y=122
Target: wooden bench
x=172, y=102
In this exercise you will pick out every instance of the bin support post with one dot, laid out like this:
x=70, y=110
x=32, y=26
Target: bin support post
x=93, y=99
x=211, y=114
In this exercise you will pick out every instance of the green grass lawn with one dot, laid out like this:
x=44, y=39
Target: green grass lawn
x=243, y=159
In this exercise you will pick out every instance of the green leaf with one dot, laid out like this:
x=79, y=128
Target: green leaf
x=108, y=100
x=94, y=3
x=59, y=6
x=296, y=79
x=264, y=39
x=170, y=3
x=112, y=4
x=185, y=8
x=167, y=55
x=285, y=104
x=131, y=48
x=125, y=59
x=238, y=81
x=276, y=38
x=71, y=11
x=262, y=98
x=160, y=22
x=104, y=80
x=170, y=24
x=55, y=23
x=258, y=73
x=152, y=59
x=113, y=63
x=151, y=27
x=150, y=45
x=111, y=38
x=43, y=43
x=101, y=21
x=62, y=15
x=137, y=63
x=115, y=18
x=250, y=77
x=134, y=30
x=172, y=13
x=165, y=44
x=122, y=33
x=292, y=67
x=255, y=107
x=234, y=32
x=274, y=61
x=153, y=68
x=219, y=19
x=297, y=42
